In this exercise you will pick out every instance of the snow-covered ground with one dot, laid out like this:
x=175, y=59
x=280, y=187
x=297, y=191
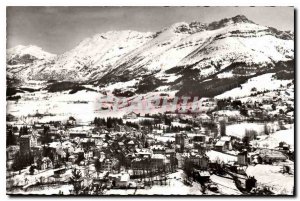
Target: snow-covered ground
x=271, y=176
x=259, y=83
x=83, y=105
x=239, y=129
x=221, y=157
x=175, y=186
x=45, y=190
x=226, y=186
x=274, y=139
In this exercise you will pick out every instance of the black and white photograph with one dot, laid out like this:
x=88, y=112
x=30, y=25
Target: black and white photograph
x=150, y=100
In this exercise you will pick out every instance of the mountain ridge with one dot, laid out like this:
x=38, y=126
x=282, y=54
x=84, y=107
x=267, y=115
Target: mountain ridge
x=124, y=55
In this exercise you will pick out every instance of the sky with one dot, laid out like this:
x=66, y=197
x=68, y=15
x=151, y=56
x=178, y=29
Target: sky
x=59, y=29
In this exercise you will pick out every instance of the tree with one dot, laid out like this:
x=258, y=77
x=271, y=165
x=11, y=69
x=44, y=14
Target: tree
x=266, y=129
x=250, y=183
x=31, y=169
x=80, y=158
x=246, y=141
x=222, y=128
x=188, y=168
x=146, y=144
x=97, y=166
x=46, y=138
x=281, y=111
x=10, y=138
x=76, y=180
x=244, y=111
x=23, y=131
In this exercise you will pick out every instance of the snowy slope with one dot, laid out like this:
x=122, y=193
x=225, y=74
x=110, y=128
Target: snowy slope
x=34, y=51
x=259, y=83
x=130, y=54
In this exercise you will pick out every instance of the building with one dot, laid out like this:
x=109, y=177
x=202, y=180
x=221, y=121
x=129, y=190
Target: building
x=201, y=161
x=158, y=149
x=199, y=138
x=78, y=133
x=71, y=122
x=159, y=161
x=25, y=145
x=201, y=175
x=144, y=153
x=46, y=163
x=242, y=158
x=120, y=128
x=220, y=146
x=182, y=140
x=224, y=144
x=120, y=180
x=11, y=152
x=204, y=118
x=130, y=115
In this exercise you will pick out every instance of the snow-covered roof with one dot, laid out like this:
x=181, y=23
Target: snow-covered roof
x=220, y=143
x=225, y=138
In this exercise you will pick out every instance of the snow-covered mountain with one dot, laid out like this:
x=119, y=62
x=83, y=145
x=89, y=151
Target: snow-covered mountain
x=207, y=49
x=27, y=54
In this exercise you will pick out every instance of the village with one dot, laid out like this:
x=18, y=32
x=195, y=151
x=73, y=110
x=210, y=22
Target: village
x=226, y=150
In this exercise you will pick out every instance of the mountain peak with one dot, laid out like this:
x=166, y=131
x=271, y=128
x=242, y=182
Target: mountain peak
x=227, y=21
x=184, y=27
x=240, y=18
x=27, y=54
x=195, y=26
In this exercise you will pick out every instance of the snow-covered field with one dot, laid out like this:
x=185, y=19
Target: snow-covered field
x=45, y=190
x=239, y=130
x=219, y=156
x=260, y=83
x=271, y=176
x=83, y=105
x=175, y=186
x=274, y=139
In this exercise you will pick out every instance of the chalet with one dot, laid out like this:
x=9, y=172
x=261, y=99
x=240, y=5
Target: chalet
x=158, y=149
x=78, y=133
x=199, y=138
x=131, y=144
x=157, y=132
x=72, y=158
x=272, y=156
x=89, y=155
x=71, y=121
x=46, y=163
x=204, y=118
x=220, y=146
x=130, y=115
x=283, y=146
x=201, y=175
x=224, y=144
x=144, y=153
